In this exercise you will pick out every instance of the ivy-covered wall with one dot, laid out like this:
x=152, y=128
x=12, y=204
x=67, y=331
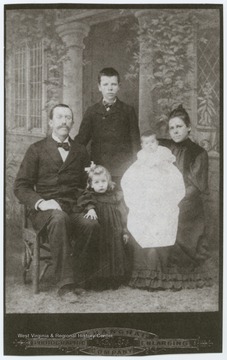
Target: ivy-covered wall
x=109, y=44
x=170, y=68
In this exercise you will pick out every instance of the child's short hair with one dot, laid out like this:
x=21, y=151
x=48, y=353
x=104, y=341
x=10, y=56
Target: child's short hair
x=147, y=133
x=99, y=170
x=108, y=72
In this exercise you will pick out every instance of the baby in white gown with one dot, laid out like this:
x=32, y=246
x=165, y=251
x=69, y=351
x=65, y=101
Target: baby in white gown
x=153, y=188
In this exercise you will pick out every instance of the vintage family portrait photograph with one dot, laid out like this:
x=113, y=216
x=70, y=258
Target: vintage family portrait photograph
x=113, y=181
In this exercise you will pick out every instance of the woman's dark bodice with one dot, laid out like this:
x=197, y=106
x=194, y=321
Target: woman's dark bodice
x=192, y=161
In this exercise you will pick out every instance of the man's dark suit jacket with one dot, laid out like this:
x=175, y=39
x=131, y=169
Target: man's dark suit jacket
x=44, y=175
x=114, y=135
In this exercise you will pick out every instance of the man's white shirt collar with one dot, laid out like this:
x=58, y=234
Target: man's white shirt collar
x=62, y=151
x=58, y=140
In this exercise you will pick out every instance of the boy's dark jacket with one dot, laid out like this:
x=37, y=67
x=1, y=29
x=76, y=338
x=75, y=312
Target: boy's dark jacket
x=114, y=135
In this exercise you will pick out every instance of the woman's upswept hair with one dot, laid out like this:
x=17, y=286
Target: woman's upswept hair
x=181, y=113
x=99, y=170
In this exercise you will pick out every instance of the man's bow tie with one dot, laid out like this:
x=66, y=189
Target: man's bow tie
x=64, y=145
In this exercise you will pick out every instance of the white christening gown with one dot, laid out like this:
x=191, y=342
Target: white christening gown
x=153, y=188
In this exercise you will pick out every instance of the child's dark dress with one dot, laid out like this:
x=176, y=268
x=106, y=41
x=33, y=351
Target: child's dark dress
x=111, y=263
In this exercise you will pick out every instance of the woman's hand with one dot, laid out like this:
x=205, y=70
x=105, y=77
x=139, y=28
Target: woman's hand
x=91, y=214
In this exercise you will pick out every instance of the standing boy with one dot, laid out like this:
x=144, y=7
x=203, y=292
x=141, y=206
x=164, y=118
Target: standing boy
x=112, y=127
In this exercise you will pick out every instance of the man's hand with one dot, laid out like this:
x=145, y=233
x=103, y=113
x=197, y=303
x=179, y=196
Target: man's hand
x=91, y=214
x=49, y=205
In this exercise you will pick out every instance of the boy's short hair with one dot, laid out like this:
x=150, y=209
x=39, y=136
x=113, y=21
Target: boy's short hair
x=108, y=72
x=147, y=133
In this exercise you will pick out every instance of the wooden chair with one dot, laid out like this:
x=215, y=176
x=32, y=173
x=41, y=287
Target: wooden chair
x=36, y=255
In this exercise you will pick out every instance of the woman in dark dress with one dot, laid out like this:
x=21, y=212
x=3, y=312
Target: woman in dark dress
x=182, y=265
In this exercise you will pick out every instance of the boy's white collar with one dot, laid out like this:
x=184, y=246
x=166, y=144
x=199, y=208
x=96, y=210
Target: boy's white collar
x=107, y=102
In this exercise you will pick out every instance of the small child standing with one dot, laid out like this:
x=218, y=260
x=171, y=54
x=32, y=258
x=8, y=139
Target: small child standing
x=153, y=188
x=101, y=202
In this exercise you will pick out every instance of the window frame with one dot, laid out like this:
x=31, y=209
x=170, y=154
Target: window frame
x=27, y=129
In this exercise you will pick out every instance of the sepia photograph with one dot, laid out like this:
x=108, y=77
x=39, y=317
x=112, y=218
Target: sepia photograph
x=113, y=179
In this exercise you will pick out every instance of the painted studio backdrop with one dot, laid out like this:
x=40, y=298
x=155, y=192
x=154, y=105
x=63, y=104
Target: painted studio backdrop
x=164, y=56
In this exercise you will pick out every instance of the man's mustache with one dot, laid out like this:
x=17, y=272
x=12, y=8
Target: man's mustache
x=63, y=127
